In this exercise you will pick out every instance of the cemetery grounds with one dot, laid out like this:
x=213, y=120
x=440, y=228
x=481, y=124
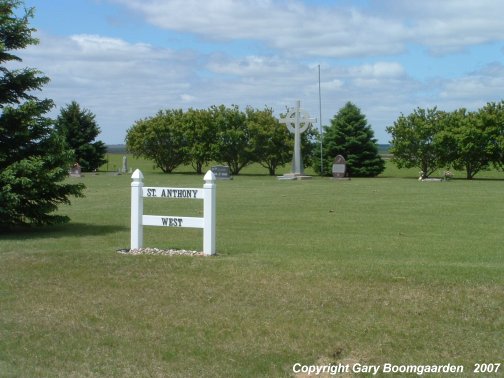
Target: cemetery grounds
x=367, y=271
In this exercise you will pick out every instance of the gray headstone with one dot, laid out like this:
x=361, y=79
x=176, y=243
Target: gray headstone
x=339, y=167
x=75, y=171
x=222, y=172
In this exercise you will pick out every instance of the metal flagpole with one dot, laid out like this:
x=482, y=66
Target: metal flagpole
x=320, y=123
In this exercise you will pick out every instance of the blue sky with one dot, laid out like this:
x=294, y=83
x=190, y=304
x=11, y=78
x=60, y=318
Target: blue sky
x=124, y=60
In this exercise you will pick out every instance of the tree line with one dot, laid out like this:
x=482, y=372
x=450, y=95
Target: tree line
x=238, y=138
x=222, y=134
x=431, y=139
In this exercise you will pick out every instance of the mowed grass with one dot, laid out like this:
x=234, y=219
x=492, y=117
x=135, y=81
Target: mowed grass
x=384, y=270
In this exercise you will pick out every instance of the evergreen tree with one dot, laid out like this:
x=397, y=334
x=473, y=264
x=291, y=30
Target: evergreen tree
x=350, y=136
x=34, y=159
x=79, y=129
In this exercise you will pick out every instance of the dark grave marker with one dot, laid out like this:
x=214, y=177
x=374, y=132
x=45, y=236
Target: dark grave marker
x=222, y=172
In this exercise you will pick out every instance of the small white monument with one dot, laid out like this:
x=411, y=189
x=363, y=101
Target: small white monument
x=124, y=164
x=75, y=171
x=297, y=121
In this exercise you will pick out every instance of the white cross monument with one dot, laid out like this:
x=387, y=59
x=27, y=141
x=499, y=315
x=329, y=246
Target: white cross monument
x=297, y=121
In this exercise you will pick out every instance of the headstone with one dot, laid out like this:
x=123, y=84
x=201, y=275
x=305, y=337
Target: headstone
x=297, y=121
x=339, y=168
x=424, y=178
x=222, y=172
x=75, y=171
x=124, y=164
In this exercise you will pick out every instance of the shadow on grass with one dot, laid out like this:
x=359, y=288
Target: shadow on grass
x=245, y=174
x=483, y=179
x=60, y=231
x=391, y=176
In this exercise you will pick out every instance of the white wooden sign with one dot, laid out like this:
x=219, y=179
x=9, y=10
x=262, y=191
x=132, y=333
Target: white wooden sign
x=207, y=223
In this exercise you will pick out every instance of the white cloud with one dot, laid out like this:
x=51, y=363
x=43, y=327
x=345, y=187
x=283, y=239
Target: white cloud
x=287, y=25
x=252, y=65
x=379, y=70
x=449, y=25
x=187, y=98
x=118, y=81
x=98, y=46
x=332, y=85
x=329, y=30
x=122, y=82
x=479, y=86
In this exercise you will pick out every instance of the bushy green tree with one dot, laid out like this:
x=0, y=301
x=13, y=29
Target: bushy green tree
x=492, y=119
x=223, y=134
x=310, y=141
x=431, y=139
x=34, y=159
x=79, y=128
x=232, y=145
x=416, y=140
x=200, y=132
x=161, y=138
x=471, y=141
x=463, y=140
x=271, y=142
x=351, y=136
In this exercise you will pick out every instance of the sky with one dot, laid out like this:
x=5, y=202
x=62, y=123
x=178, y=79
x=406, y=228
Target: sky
x=124, y=60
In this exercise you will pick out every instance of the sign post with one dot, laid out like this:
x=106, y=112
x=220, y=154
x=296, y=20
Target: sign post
x=209, y=200
x=136, y=210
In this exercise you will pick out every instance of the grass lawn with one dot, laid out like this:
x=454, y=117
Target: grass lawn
x=374, y=271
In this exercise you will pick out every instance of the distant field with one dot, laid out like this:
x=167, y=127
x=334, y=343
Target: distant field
x=368, y=271
x=121, y=148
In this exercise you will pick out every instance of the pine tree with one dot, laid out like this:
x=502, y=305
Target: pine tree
x=79, y=129
x=350, y=136
x=34, y=159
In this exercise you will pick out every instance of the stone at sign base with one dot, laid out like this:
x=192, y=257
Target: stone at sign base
x=341, y=178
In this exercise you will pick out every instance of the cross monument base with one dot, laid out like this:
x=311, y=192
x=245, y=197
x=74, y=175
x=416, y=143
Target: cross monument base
x=294, y=176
